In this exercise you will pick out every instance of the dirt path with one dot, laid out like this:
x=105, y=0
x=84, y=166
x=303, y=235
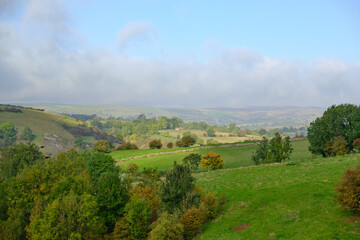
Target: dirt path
x=194, y=149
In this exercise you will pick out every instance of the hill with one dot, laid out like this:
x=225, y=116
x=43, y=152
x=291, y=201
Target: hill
x=53, y=131
x=291, y=200
x=244, y=116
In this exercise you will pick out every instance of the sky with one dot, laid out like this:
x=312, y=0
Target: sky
x=180, y=53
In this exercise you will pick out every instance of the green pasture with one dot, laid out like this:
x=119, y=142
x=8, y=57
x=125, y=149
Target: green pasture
x=233, y=156
x=292, y=200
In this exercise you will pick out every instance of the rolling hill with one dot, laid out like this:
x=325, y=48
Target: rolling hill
x=244, y=116
x=53, y=131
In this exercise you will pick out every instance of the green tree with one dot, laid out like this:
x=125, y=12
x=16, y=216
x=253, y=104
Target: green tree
x=262, y=131
x=192, y=160
x=102, y=146
x=112, y=195
x=186, y=141
x=337, y=121
x=26, y=134
x=155, y=144
x=97, y=163
x=138, y=213
x=16, y=157
x=167, y=227
x=275, y=150
x=72, y=217
x=211, y=132
x=177, y=185
x=7, y=134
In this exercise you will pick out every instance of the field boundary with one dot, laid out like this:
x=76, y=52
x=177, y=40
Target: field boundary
x=194, y=149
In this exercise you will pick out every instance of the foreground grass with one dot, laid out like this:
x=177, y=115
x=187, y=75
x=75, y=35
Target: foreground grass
x=233, y=156
x=293, y=200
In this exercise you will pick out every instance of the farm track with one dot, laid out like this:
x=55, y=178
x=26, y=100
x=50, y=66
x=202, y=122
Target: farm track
x=194, y=149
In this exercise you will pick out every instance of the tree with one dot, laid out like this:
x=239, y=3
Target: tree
x=26, y=134
x=102, y=146
x=177, y=185
x=7, y=134
x=211, y=132
x=337, y=121
x=72, y=217
x=112, y=195
x=186, y=141
x=192, y=160
x=212, y=160
x=155, y=144
x=166, y=227
x=275, y=150
x=16, y=157
x=262, y=131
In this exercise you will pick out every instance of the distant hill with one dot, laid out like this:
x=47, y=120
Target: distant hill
x=245, y=116
x=53, y=131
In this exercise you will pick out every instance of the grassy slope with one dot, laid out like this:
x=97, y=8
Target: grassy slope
x=233, y=156
x=283, y=201
x=39, y=122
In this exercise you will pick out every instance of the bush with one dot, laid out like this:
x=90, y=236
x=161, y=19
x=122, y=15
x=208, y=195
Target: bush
x=166, y=227
x=127, y=146
x=209, y=206
x=349, y=190
x=356, y=144
x=191, y=220
x=170, y=145
x=212, y=160
x=132, y=169
x=102, y=146
x=336, y=147
x=186, y=141
x=192, y=160
x=155, y=144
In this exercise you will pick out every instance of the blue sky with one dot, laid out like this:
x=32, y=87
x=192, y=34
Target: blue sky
x=180, y=53
x=299, y=30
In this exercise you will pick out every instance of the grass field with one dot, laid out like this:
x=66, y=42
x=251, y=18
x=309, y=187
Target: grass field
x=221, y=137
x=284, y=201
x=233, y=156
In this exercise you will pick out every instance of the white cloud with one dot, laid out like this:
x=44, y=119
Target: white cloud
x=36, y=69
x=135, y=32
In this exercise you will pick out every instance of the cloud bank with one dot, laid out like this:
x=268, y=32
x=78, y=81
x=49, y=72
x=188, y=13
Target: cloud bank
x=38, y=64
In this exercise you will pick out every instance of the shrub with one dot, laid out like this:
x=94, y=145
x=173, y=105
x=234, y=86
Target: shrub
x=212, y=160
x=170, y=145
x=127, y=146
x=192, y=160
x=191, y=220
x=166, y=227
x=102, y=146
x=356, y=144
x=132, y=169
x=349, y=190
x=209, y=206
x=336, y=147
x=155, y=144
x=186, y=141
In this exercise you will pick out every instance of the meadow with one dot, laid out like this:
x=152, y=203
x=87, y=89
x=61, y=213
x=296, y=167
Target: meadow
x=291, y=200
x=233, y=157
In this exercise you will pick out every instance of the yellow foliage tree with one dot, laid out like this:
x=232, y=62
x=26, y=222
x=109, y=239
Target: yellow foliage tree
x=212, y=160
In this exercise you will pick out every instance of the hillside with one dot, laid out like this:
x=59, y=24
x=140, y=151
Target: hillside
x=290, y=200
x=244, y=116
x=47, y=127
